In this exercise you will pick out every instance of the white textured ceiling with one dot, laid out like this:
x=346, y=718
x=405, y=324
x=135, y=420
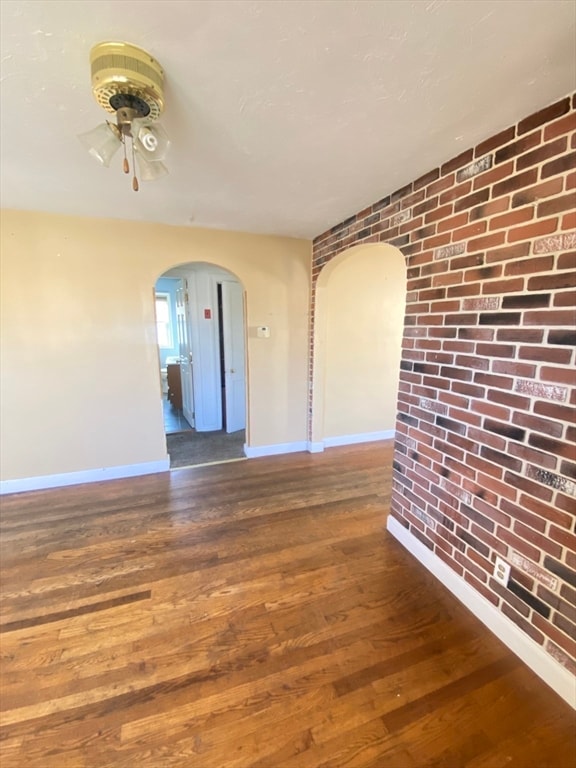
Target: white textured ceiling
x=286, y=116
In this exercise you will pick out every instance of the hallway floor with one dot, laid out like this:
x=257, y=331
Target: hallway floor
x=187, y=448
x=174, y=420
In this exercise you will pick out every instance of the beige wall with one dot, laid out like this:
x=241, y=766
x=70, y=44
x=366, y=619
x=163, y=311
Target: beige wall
x=361, y=296
x=80, y=383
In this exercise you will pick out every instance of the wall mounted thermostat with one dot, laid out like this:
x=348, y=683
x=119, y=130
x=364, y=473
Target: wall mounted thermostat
x=263, y=332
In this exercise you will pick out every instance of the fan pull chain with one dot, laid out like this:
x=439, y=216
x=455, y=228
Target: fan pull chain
x=125, y=165
x=135, y=186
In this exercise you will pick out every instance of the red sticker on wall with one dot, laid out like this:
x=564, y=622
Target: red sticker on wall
x=207, y=314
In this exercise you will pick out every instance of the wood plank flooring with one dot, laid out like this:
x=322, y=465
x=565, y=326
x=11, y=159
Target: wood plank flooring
x=249, y=615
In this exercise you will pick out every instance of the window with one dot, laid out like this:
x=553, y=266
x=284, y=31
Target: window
x=163, y=320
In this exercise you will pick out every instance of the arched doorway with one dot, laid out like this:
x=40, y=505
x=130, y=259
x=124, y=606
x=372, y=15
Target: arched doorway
x=359, y=316
x=203, y=370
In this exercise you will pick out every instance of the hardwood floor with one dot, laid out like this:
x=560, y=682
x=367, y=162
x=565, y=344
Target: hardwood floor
x=249, y=614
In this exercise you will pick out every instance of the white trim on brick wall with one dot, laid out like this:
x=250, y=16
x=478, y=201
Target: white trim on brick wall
x=85, y=476
x=532, y=654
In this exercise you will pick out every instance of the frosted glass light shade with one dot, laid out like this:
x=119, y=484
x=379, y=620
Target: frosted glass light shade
x=151, y=140
x=102, y=143
x=150, y=170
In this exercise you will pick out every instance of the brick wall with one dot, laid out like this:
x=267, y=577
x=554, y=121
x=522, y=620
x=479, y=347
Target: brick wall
x=485, y=459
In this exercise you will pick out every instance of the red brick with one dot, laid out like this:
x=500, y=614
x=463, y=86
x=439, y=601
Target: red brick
x=546, y=511
x=545, y=354
x=551, y=317
x=565, y=642
x=413, y=199
x=560, y=165
x=428, y=178
x=494, y=175
x=439, y=186
x=410, y=225
x=531, y=231
x=518, y=251
x=469, y=260
x=524, y=625
x=477, y=228
x=483, y=273
x=426, y=206
x=510, y=400
x=489, y=209
x=559, y=375
x=455, y=192
x=450, y=561
x=529, y=266
x=567, y=261
x=555, y=281
x=514, y=183
x=545, y=115
x=471, y=289
x=457, y=162
x=558, y=127
x=518, y=147
x=534, y=456
x=556, y=205
x=495, y=141
x=536, y=424
x=476, y=198
x=488, y=241
x=525, y=548
x=540, y=541
x=509, y=219
x=503, y=286
x=545, y=152
x=565, y=299
x=514, y=369
x=473, y=568
x=566, y=539
x=569, y=220
x=439, y=213
x=524, y=335
x=454, y=221
x=537, y=192
x=555, y=411
x=489, y=409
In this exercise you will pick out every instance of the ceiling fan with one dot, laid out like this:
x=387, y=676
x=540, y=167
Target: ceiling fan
x=128, y=82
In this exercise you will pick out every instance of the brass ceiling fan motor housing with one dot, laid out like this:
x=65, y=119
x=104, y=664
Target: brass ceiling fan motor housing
x=125, y=76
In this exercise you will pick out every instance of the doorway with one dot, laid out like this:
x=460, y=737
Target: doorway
x=204, y=380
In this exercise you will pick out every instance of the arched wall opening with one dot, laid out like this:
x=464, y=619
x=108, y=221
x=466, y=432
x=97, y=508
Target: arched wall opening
x=359, y=308
x=204, y=374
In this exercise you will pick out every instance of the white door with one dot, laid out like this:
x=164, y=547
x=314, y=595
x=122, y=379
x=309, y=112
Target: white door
x=234, y=359
x=182, y=316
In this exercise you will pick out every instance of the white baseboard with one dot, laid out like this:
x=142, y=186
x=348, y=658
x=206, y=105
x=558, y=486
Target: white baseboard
x=253, y=452
x=315, y=447
x=84, y=476
x=532, y=654
x=363, y=437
